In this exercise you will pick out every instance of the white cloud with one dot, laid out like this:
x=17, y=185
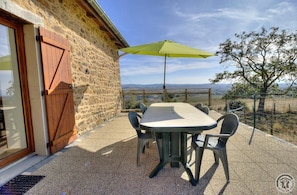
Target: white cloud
x=281, y=8
x=208, y=28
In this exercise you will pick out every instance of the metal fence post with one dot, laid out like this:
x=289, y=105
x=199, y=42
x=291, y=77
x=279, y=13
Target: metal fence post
x=254, y=117
x=272, y=118
x=254, y=110
x=209, y=97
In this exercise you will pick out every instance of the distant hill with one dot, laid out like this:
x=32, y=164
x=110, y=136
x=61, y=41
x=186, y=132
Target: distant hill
x=215, y=88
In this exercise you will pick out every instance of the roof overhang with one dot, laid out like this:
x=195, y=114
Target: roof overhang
x=93, y=10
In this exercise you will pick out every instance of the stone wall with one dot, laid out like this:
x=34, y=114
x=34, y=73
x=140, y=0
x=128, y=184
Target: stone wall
x=94, y=58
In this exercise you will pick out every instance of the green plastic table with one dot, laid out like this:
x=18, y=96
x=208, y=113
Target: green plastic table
x=174, y=121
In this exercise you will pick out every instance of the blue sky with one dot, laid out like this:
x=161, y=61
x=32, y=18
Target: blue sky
x=202, y=24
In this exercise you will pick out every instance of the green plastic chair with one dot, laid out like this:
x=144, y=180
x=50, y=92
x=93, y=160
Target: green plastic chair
x=144, y=137
x=216, y=143
x=143, y=107
x=203, y=108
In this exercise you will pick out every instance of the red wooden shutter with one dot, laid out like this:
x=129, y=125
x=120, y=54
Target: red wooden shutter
x=55, y=51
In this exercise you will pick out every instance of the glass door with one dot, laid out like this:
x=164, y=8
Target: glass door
x=12, y=124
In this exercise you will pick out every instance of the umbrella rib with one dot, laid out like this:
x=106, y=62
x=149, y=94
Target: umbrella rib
x=123, y=54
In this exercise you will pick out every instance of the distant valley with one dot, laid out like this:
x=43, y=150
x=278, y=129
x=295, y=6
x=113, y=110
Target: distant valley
x=216, y=89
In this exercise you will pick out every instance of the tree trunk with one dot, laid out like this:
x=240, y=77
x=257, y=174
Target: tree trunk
x=261, y=105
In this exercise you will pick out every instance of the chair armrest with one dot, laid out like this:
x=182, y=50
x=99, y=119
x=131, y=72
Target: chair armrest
x=207, y=136
x=195, y=136
x=236, y=109
x=139, y=115
x=222, y=117
x=217, y=135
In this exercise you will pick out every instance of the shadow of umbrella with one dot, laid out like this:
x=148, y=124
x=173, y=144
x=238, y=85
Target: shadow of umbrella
x=79, y=92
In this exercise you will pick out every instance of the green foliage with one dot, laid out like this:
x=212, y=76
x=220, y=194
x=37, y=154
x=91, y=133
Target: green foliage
x=239, y=90
x=292, y=92
x=132, y=103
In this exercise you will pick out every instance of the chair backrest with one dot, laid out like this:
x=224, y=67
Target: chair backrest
x=134, y=120
x=199, y=105
x=143, y=107
x=204, y=109
x=229, y=126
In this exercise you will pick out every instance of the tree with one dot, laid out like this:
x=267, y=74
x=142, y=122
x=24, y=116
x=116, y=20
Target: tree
x=261, y=59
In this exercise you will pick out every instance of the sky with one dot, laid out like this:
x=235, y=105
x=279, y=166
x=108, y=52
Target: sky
x=202, y=24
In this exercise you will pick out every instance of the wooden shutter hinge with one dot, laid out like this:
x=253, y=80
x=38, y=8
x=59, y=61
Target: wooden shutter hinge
x=38, y=38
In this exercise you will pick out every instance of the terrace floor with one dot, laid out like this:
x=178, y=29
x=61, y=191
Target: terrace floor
x=104, y=162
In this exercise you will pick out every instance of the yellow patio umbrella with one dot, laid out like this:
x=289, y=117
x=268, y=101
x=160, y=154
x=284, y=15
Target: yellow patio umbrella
x=166, y=48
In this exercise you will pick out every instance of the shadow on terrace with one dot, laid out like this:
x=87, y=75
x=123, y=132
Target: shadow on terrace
x=104, y=162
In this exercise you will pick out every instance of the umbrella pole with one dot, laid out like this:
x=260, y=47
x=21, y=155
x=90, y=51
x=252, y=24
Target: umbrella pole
x=164, y=72
x=164, y=87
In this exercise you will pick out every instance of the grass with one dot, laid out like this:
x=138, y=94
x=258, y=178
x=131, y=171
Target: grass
x=279, y=118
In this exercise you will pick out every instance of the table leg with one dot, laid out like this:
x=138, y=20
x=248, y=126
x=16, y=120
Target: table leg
x=165, y=154
x=179, y=153
x=184, y=159
x=175, y=148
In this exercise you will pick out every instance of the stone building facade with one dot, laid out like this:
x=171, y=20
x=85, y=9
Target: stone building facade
x=94, y=43
x=95, y=65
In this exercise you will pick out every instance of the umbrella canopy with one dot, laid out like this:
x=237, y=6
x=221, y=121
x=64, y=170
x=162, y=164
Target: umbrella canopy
x=5, y=63
x=167, y=48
